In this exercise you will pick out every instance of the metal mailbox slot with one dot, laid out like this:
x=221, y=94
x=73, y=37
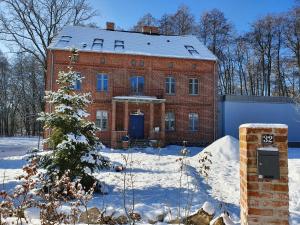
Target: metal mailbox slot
x=268, y=163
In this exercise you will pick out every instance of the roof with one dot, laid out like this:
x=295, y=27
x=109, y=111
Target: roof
x=100, y=40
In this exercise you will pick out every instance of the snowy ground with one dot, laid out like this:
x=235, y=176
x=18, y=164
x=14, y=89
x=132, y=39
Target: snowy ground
x=159, y=184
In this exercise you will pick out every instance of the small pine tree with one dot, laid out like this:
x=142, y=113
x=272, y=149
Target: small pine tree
x=72, y=136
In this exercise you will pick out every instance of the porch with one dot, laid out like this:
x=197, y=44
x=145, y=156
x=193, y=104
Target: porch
x=138, y=117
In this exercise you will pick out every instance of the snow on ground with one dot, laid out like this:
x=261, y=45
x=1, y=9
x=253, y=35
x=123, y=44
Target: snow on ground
x=12, y=152
x=159, y=184
x=224, y=174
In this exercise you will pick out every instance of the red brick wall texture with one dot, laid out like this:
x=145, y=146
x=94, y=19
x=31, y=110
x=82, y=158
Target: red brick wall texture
x=119, y=68
x=263, y=201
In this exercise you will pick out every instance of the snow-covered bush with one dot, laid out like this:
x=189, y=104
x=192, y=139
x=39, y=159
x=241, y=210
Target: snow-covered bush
x=32, y=194
x=72, y=137
x=14, y=204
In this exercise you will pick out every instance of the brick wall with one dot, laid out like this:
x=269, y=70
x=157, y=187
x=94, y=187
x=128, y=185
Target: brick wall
x=263, y=201
x=120, y=68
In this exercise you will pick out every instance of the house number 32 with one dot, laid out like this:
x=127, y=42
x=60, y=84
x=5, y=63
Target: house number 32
x=267, y=139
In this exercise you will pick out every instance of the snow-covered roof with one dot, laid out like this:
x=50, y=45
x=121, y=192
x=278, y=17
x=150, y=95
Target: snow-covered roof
x=122, y=42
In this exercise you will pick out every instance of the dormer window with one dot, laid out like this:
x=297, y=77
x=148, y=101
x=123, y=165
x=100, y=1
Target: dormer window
x=119, y=44
x=191, y=50
x=64, y=41
x=97, y=44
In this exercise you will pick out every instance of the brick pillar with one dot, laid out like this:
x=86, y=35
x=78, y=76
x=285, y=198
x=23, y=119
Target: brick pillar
x=151, y=120
x=113, y=125
x=263, y=200
x=162, y=123
x=126, y=116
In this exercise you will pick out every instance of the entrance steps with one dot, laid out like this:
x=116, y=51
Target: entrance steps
x=139, y=143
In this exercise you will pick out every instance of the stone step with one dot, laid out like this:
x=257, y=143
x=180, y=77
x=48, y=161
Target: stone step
x=141, y=143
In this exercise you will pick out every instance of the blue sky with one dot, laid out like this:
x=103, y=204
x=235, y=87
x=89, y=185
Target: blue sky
x=241, y=13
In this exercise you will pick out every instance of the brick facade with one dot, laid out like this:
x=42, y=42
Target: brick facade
x=263, y=201
x=120, y=67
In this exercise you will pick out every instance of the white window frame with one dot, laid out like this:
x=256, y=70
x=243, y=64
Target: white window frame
x=97, y=44
x=75, y=84
x=119, y=44
x=169, y=81
x=192, y=81
x=103, y=77
x=136, y=89
x=102, y=120
x=193, y=121
x=168, y=121
x=191, y=50
x=63, y=41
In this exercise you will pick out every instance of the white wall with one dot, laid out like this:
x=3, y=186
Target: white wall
x=234, y=113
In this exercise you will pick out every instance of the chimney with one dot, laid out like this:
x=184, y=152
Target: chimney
x=150, y=30
x=110, y=26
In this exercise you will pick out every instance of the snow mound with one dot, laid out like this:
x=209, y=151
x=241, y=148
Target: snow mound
x=223, y=173
x=223, y=149
x=226, y=219
x=209, y=208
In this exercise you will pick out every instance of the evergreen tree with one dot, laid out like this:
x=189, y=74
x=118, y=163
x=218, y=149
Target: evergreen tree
x=72, y=136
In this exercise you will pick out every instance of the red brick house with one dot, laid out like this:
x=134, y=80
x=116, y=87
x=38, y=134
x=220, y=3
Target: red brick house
x=144, y=85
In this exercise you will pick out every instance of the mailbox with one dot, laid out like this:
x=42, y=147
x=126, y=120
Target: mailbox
x=268, y=163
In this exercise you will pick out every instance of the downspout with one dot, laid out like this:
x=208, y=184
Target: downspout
x=51, y=76
x=51, y=82
x=215, y=95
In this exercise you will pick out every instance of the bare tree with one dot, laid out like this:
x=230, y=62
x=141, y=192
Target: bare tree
x=32, y=24
x=292, y=35
x=261, y=37
x=215, y=30
x=183, y=21
x=4, y=95
x=166, y=26
x=216, y=33
x=21, y=94
x=146, y=20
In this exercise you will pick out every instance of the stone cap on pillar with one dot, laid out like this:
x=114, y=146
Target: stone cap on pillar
x=263, y=125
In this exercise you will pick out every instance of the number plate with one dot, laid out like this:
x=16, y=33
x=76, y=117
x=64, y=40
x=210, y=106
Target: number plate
x=267, y=139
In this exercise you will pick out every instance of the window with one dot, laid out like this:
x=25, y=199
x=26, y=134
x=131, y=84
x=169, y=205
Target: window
x=191, y=50
x=63, y=41
x=193, y=86
x=193, y=122
x=170, y=65
x=102, y=82
x=137, y=85
x=170, y=121
x=170, y=85
x=97, y=44
x=102, y=120
x=133, y=62
x=77, y=83
x=119, y=44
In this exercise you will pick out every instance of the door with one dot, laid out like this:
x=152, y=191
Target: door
x=136, y=126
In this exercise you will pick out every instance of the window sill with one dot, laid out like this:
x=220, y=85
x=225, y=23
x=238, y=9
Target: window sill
x=170, y=131
x=102, y=91
x=168, y=94
x=194, y=94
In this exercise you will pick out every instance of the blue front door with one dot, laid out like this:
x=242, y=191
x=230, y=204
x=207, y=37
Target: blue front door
x=136, y=126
